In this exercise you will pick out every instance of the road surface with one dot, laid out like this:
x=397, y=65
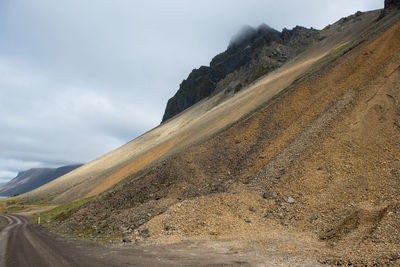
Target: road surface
x=24, y=243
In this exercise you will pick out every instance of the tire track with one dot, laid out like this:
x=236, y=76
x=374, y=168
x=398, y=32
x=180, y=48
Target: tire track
x=21, y=246
x=4, y=236
x=23, y=243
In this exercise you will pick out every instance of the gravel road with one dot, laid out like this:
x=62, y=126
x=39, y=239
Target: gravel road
x=24, y=243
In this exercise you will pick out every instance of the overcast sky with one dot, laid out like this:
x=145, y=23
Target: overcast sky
x=79, y=78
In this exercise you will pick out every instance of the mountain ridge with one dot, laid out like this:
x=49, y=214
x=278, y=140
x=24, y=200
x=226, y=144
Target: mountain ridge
x=251, y=53
x=28, y=180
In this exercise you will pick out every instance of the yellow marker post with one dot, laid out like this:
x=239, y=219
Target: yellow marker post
x=38, y=220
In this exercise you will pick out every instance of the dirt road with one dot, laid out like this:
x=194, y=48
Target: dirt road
x=23, y=243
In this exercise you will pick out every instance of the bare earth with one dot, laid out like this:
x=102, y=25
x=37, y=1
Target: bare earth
x=23, y=243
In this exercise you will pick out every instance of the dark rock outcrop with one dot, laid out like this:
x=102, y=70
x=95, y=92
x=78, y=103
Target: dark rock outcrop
x=391, y=4
x=33, y=178
x=252, y=53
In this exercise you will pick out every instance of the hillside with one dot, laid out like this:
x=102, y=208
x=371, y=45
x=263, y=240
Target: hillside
x=224, y=109
x=31, y=179
x=303, y=163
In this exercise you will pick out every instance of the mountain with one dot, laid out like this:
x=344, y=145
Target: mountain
x=220, y=111
x=251, y=54
x=28, y=180
x=301, y=163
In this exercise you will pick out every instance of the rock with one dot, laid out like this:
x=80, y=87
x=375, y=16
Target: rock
x=126, y=240
x=167, y=228
x=392, y=4
x=144, y=231
x=313, y=218
x=253, y=52
x=290, y=200
x=247, y=220
x=359, y=13
x=272, y=195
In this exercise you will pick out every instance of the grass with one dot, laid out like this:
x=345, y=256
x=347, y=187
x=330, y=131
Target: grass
x=63, y=211
x=3, y=205
x=12, y=205
x=341, y=46
x=345, y=47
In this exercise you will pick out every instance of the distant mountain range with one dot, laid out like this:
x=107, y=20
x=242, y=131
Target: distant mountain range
x=33, y=178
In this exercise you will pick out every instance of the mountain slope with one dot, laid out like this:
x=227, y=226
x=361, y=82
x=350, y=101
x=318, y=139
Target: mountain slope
x=193, y=125
x=33, y=178
x=305, y=161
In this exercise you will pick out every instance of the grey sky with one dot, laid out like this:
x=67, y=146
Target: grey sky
x=80, y=78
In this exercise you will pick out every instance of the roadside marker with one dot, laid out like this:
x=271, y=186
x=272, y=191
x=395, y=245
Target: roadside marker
x=38, y=220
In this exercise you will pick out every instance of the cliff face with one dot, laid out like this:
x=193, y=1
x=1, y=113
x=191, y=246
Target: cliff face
x=33, y=178
x=251, y=54
x=391, y=4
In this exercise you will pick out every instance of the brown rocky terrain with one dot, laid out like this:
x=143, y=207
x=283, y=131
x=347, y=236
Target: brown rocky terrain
x=311, y=173
x=207, y=118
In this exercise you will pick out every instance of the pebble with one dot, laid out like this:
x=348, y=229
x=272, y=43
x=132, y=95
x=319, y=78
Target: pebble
x=290, y=200
x=272, y=195
x=247, y=220
x=144, y=231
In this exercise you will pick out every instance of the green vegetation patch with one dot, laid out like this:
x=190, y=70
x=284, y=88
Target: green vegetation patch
x=13, y=205
x=63, y=211
x=344, y=48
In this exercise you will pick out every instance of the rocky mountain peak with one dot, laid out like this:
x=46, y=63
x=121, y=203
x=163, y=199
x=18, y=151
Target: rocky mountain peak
x=248, y=35
x=251, y=53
